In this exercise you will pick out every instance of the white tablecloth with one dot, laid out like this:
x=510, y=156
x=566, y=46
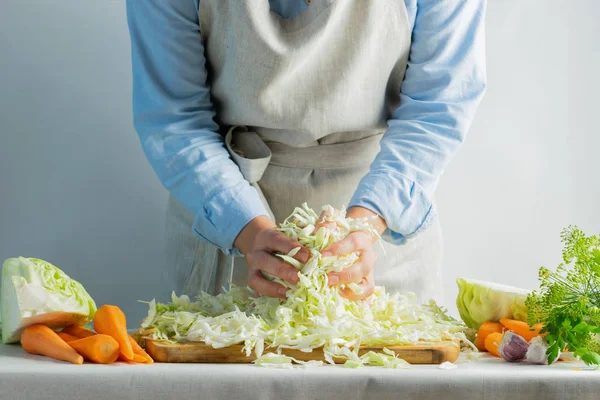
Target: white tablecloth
x=24, y=376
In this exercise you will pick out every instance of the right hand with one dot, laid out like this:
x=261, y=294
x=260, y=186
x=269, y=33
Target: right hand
x=258, y=242
x=361, y=272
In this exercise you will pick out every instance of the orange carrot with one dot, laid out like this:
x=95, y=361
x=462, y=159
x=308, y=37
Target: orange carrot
x=139, y=355
x=485, y=329
x=521, y=328
x=78, y=331
x=66, y=337
x=142, y=359
x=110, y=320
x=491, y=343
x=41, y=340
x=137, y=349
x=101, y=349
x=135, y=345
x=137, y=358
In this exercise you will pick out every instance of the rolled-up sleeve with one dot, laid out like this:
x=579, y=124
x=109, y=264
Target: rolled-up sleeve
x=174, y=118
x=444, y=83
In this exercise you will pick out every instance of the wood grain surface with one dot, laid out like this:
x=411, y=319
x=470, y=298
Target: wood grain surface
x=426, y=353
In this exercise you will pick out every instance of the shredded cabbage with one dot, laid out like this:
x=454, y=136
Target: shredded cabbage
x=314, y=315
x=273, y=360
x=387, y=359
x=447, y=365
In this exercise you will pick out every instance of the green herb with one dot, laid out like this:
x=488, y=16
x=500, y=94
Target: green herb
x=568, y=301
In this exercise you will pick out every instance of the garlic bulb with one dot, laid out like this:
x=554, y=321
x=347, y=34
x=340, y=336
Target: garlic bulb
x=537, y=351
x=513, y=347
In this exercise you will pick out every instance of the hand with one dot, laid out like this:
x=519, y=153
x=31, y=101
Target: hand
x=258, y=241
x=361, y=271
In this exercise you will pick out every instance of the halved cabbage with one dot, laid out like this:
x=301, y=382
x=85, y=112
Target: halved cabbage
x=480, y=301
x=36, y=292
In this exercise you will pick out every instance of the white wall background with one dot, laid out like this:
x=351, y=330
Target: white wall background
x=75, y=188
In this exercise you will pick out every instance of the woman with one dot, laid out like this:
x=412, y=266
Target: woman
x=248, y=108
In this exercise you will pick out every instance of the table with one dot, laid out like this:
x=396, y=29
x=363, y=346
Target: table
x=24, y=376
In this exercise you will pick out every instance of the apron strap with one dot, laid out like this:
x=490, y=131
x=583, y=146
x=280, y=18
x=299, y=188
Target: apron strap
x=252, y=156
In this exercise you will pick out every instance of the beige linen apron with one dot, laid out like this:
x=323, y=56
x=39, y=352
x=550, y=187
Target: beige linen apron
x=304, y=103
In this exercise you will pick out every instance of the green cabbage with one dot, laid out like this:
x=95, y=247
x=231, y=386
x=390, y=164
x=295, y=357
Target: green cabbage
x=387, y=359
x=35, y=291
x=480, y=301
x=313, y=315
x=273, y=360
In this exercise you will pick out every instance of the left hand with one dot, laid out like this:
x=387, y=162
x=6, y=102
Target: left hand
x=361, y=271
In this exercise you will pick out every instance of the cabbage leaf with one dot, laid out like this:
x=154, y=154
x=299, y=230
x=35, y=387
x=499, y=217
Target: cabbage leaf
x=36, y=292
x=480, y=301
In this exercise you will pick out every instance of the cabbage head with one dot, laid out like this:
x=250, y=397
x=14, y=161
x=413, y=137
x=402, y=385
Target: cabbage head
x=36, y=292
x=480, y=301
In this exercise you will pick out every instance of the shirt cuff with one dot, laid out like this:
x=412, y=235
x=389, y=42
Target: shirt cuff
x=225, y=214
x=402, y=203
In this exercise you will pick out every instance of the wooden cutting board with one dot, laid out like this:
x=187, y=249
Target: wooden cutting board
x=166, y=352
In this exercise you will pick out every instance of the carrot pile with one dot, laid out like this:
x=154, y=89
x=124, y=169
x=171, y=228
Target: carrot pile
x=490, y=333
x=110, y=341
x=486, y=329
x=41, y=340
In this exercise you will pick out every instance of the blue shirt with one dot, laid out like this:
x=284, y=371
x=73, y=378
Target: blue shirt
x=444, y=83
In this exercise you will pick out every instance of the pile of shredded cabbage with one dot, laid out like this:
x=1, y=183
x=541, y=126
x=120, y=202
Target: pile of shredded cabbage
x=314, y=315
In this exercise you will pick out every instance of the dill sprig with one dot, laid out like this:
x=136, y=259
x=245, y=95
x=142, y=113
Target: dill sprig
x=568, y=301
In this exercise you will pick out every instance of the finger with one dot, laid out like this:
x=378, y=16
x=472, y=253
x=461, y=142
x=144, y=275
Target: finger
x=277, y=242
x=356, y=272
x=367, y=286
x=330, y=225
x=265, y=287
x=355, y=241
x=275, y=266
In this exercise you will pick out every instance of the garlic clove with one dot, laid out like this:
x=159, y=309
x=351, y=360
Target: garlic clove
x=537, y=352
x=513, y=347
